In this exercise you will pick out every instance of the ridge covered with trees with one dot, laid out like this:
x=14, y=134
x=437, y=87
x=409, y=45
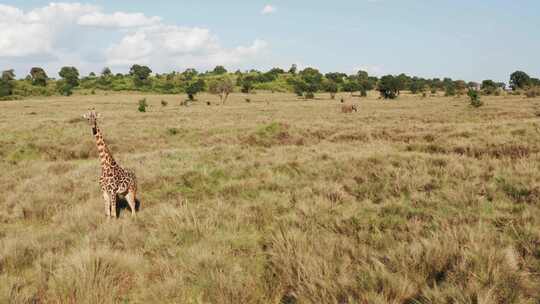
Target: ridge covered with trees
x=304, y=83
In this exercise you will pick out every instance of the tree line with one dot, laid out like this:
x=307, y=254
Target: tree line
x=219, y=81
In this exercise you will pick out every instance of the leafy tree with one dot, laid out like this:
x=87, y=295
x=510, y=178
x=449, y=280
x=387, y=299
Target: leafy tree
x=298, y=85
x=331, y=87
x=472, y=85
x=219, y=70
x=70, y=75
x=403, y=82
x=70, y=80
x=293, y=69
x=362, y=75
x=38, y=77
x=313, y=80
x=194, y=87
x=450, y=89
x=519, y=80
x=92, y=75
x=417, y=85
x=189, y=74
x=276, y=71
x=489, y=87
x=389, y=86
x=351, y=85
x=6, y=83
x=106, y=72
x=246, y=82
x=140, y=74
x=336, y=77
x=222, y=86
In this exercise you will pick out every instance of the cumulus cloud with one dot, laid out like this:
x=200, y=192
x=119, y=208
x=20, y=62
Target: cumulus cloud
x=268, y=9
x=117, y=19
x=70, y=31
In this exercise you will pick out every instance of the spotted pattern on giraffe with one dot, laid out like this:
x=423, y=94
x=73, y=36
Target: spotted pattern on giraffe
x=114, y=180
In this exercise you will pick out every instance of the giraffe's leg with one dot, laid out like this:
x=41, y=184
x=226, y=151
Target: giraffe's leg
x=130, y=197
x=107, y=200
x=114, y=199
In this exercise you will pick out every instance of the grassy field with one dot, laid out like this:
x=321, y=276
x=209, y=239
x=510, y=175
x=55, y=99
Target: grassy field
x=279, y=200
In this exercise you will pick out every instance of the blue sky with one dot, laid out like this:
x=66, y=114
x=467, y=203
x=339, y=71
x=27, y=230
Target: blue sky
x=471, y=40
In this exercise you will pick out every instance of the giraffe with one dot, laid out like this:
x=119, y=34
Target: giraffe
x=114, y=180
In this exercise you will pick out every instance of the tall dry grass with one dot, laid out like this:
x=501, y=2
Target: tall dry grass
x=279, y=200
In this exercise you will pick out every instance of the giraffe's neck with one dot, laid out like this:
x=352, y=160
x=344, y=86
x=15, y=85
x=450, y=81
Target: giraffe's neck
x=105, y=156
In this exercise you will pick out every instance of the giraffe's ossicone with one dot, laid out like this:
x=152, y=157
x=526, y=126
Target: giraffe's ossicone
x=114, y=180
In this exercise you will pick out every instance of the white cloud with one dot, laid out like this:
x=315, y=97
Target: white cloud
x=117, y=19
x=375, y=70
x=166, y=47
x=268, y=9
x=71, y=34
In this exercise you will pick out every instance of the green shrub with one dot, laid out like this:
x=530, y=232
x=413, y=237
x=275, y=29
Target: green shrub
x=474, y=98
x=309, y=95
x=142, y=105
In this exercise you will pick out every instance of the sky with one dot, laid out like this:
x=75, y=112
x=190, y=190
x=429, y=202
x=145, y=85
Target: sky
x=471, y=40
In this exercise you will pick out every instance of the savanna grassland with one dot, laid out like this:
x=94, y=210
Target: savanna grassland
x=417, y=200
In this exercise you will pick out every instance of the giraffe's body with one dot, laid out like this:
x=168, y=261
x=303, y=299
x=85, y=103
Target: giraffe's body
x=114, y=180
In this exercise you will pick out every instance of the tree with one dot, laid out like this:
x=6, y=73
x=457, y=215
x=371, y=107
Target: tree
x=417, y=85
x=293, y=69
x=519, y=80
x=461, y=86
x=450, y=89
x=351, y=85
x=70, y=75
x=298, y=85
x=219, y=70
x=313, y=79
x=276, y=71
x=489, y=87
x=336, y=77
x=222, y=86
x=194, y=87
x=246, y=82
x=472, y=85
x=70, y=80
x=140, y=74
x=6, y=83
x=403, y=82
x=331, y=87
x=106, y=72
x=389, y=86
x=38, y=77
x=190, y=74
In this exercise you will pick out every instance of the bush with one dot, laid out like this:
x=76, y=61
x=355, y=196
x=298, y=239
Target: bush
x=164, y=103
x=389, y=87
x=142, y=105
x=309, y=95
x=474, y=98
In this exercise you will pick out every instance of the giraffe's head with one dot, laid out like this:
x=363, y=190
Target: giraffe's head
x=92, y=118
